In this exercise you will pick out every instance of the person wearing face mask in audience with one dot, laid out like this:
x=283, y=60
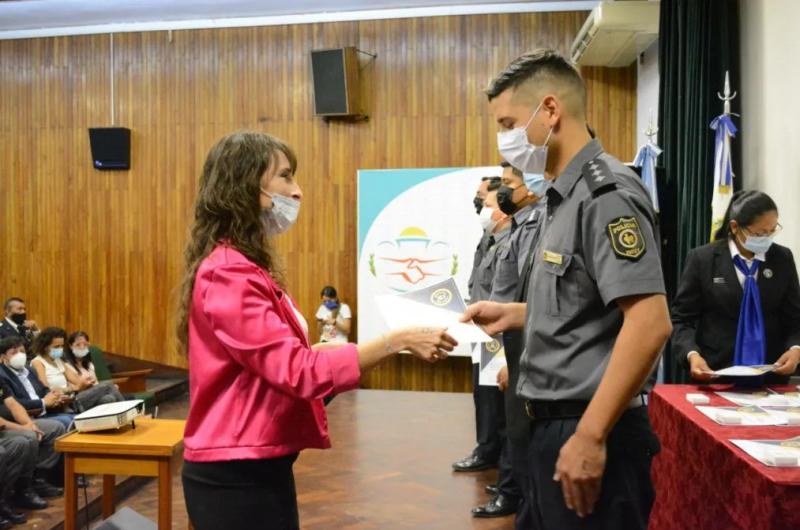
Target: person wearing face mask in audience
x=738, y=299
x=256, y=384
x=333, y=317
x=91, y=392
x=38, y=400
x=16, y=323
x=81, y=392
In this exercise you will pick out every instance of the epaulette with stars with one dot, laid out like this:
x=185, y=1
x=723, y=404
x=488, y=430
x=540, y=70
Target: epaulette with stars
x=599, y=177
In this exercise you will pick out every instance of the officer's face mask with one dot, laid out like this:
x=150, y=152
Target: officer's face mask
x=477, y=202
x=520, y=153
x=505, y=199
x=486, y=218
x=536, y=183
x=282, y=215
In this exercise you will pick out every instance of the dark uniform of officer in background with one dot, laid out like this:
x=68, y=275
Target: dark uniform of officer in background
x=489, y=418
x=526, y=208
x=596, y=316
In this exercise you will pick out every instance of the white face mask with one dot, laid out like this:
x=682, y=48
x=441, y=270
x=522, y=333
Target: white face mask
x=282, y=215
x=520, y=153
x=80, y=354
x=17, y=361
x=485, y=218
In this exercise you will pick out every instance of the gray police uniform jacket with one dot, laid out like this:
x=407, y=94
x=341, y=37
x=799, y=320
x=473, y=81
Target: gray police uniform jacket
x=600, y=243
x=480, y=251
x=513, y=255
x=485, y=272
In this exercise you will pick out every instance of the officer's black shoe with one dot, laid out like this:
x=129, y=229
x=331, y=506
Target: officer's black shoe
x=500, y=506
x=29, y=500
x=5, y=524
x=9, y=514
x=472, y=463
x=45, y=490
x=492, y=490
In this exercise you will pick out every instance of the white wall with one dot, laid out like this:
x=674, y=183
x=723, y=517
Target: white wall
x=646, y=92
x=770, y=121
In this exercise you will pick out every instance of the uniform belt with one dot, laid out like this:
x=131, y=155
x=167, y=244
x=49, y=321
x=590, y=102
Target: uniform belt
x=548, y=410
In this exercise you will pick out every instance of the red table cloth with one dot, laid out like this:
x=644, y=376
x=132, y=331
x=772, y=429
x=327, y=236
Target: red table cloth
x=703, y=481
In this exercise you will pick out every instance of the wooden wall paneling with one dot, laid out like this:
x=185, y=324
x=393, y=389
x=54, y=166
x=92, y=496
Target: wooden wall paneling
x=102, y=251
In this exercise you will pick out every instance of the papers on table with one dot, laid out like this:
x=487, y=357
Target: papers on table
x=745, y=371
x=750, y=415
x=437, y=306
x=762, y=398
x=492, y=359
x=774, y=453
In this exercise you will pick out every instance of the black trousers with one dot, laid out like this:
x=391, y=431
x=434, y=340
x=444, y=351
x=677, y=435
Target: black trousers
x=241, y=494
x=490, y=419
x=627, y=493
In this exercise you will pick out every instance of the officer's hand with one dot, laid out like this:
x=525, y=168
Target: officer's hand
x=580, y=466
x=429, y=344
x=31, y=325
x=787, y=363
x=494, y=317
x=502, y=378
x=34, y=428
x=699, y=369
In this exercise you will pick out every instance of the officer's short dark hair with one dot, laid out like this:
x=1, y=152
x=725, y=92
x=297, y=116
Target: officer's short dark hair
x=8, y=303
x=494, y=183
x=545, y=70
x=514, y=170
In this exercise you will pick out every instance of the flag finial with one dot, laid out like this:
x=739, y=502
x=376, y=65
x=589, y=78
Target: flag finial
x=726, y=97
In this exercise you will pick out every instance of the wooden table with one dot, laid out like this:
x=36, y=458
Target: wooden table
x=149, y=450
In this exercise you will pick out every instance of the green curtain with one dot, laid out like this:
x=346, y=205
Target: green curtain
x=698, y=42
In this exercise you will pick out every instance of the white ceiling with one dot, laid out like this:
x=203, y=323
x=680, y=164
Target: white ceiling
x=20, y=16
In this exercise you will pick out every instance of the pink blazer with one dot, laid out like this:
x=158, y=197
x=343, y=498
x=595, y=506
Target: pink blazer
x=255, y=384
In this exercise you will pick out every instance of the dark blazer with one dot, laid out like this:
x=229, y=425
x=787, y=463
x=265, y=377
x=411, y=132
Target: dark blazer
x=13, y=383
x=7, y=330
x=705, y=311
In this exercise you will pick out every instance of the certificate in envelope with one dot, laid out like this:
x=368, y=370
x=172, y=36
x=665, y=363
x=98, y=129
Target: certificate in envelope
x=438, y=306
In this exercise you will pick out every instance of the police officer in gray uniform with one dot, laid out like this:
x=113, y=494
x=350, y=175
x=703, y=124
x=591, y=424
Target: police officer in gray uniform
x=489, y=417
x=525, y=204
x=596, y=316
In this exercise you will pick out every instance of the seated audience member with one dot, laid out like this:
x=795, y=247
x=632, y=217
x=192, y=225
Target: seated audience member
x=78, y=360
x=24, y=384
x=16, y=323
x=738, y=299
x=333, y=317
x=27, y=449
x=48, y=363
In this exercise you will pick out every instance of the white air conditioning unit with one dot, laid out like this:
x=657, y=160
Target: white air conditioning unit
x=616, y=33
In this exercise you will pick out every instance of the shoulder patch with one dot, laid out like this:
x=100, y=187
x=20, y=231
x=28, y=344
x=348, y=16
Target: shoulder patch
x=626, y=238
x=599, y=177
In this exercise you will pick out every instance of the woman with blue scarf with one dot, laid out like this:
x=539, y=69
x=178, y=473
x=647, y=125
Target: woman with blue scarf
x=738, y=300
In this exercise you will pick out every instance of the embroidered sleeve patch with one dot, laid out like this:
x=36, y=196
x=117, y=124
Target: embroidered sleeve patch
x=626, y=238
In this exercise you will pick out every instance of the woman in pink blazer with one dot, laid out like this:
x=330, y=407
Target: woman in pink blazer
x=256, y=383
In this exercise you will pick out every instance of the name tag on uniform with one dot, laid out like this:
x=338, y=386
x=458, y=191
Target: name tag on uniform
x=719, y=280
x=552, y=257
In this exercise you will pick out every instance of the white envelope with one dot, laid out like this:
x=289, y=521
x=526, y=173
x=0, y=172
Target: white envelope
x=745, y=371
x=400, y=312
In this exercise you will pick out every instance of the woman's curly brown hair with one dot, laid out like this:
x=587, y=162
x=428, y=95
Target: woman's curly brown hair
x=228, y=209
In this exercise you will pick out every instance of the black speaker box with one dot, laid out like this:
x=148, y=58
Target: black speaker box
x=335, y=75
x=111, y=147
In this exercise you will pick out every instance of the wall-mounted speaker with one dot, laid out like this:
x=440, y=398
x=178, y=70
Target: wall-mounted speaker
x=111, y=147
x=335, y=75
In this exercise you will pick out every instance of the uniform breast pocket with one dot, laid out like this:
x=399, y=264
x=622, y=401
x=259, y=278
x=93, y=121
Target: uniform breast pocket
x=561, y=289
